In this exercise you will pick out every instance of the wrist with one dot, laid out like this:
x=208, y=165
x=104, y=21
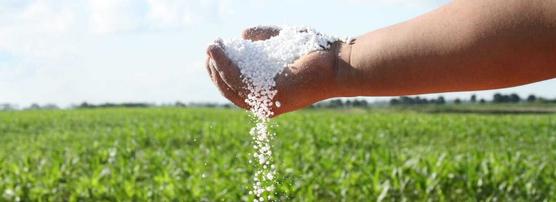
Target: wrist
x=344, y=74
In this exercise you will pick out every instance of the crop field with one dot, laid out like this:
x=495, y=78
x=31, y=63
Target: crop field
x=183, y=154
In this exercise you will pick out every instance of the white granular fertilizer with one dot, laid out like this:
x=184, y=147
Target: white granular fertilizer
x=260, y=62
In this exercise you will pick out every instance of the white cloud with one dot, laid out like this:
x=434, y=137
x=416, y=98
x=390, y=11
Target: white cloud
x=42, y=16
x=38, y=30
x=108, y=16
x=32, y=28
x=172, y=14
x=112, y=16
x=169, y=13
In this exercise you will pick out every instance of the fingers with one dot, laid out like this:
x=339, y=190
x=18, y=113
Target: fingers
x=226, y=91
x=227, y=70
x=260, y=33
x=207, y=64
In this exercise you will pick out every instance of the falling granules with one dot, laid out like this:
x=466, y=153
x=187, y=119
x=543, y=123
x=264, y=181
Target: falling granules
x=259, y=63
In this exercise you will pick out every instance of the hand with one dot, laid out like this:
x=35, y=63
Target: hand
x=309, y=79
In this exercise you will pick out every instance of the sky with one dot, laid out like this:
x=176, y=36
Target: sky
x=70, y=51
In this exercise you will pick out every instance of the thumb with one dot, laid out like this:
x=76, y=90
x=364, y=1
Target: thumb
x=260, y=33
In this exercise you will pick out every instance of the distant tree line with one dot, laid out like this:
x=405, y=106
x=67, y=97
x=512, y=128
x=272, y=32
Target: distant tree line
x=86, y=105
x=334, y=103
x=7, y=107
x=404, y=100
x=338, y=103
x=440, y=100
x=11, y=107
x=496, y=98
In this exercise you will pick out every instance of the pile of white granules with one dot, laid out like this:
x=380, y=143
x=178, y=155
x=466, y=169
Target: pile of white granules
x=260, y=62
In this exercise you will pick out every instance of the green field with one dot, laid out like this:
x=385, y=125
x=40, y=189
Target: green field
x=178, y=154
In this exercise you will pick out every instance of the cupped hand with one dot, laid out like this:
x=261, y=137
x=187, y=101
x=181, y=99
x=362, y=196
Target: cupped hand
x=309, y=79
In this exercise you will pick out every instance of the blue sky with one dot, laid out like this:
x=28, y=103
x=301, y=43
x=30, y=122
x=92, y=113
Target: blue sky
x=68, y=51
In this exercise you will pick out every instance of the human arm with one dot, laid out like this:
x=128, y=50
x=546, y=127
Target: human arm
x=465, y=45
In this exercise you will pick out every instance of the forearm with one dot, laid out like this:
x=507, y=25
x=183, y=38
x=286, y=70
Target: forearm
x=463, y=46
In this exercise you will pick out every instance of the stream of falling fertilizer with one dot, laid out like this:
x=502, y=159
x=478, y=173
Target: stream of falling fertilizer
x=263, y=184
x=265, y=171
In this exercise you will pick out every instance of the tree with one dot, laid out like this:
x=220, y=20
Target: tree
x=34, y=106
x=473, y=98
x=7, y=107
x=457, y=101
x=85, y=105
x=336, y=103
x=348, y=103
x=50, y=106
x=498, y=98
x=440, y=100
x=394, y=101
x=531, y=98
x=359, y=103
x=514, y=98
x=407, y=100
x=179, y=104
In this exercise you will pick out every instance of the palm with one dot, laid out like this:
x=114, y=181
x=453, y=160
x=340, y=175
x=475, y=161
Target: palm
x=305, y=82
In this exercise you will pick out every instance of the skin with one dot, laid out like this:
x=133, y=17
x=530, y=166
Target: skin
x=466, y=45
